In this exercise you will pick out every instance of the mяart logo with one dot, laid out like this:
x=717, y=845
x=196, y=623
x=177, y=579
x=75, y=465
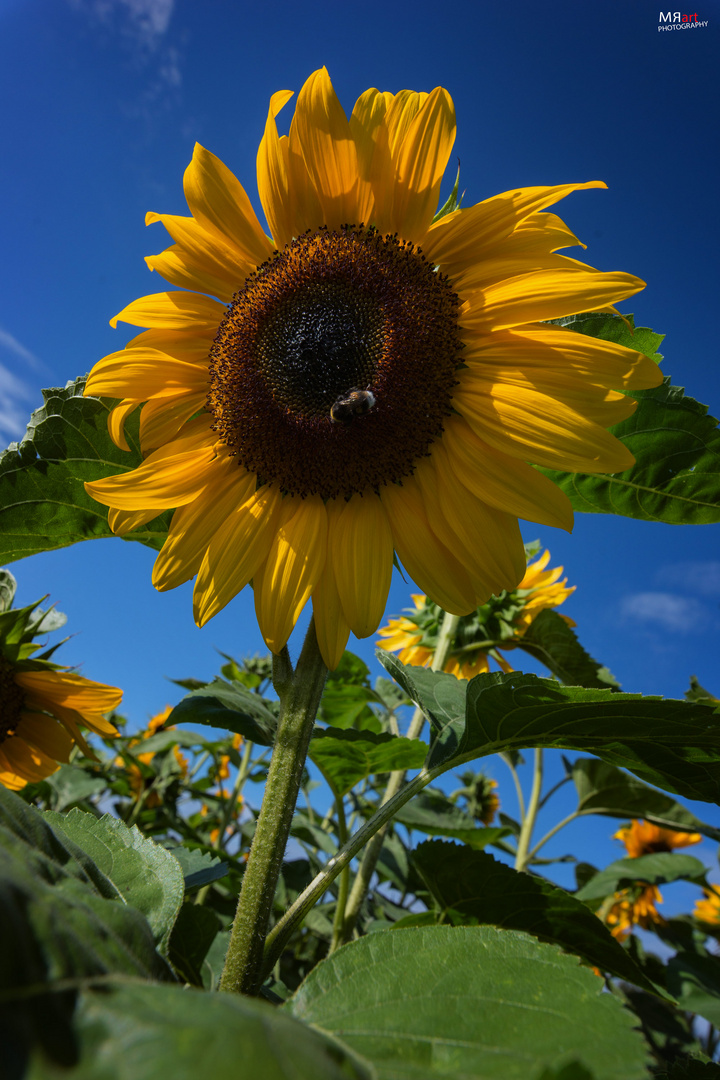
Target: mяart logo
x=677, y=20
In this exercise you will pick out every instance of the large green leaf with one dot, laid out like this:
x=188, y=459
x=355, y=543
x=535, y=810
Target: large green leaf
x=347, y=694
x=347, y=756
x=146, y=874
x=232, y=706
x=550, y=640
x=61, y=920
x=673, y=744
x=655, y=869
x=43, y=504
x=198, y=867
x=431, y=812
x=695, y=981
x=141, y=1032
x=470, y=1002
x=676, y=475
x=603, y=789
x=473, y=886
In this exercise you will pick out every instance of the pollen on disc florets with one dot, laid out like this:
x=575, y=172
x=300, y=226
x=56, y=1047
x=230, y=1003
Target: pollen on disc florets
x=335, y=313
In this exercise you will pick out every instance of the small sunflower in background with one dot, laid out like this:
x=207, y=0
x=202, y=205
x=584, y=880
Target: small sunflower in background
x=375, y=376
x=42, y=705
x=137, y=779
x=708, y=910
x=483, y=634
x=636, y=906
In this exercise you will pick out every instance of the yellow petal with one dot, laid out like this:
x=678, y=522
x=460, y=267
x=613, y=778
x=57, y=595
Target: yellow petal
x=22, y=764
x=286, y=579
x=235, y=553
x=545, y=294
x=486, y=541
x=46, y=735
x=194, y=526
x=331, y=626
x=370, y=134
x=180, y=269
x=124, y=521
x=420, y=164
x=502, y=481
x=116, y=422
x=541, y=429
x=141, y=374
x=162, y=419
x=426, y=559
x=205, y=249
x=362, y=556
x=328, y=150
x=218, y=201
x=50, y=688
x=192, y=346
x=173, y=311
x=460, y=239
x=272, y=175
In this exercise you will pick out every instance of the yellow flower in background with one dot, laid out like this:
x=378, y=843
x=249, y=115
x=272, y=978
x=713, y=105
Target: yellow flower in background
x=414, y=636
x=643, y=838
x=138, y=781
x=369, y=380
x=41, y=711
x=708, y=910
x=637, y=907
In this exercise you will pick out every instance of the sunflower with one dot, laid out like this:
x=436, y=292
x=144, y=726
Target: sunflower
x=637, y=906
x=41, y=707
x=708, y=910
x=369, y=379
x=501, y=619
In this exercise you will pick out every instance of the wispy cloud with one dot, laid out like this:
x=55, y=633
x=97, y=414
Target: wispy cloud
x=141, y=22
x=18, y=396
x=664, y=611
x=702, y=576
x=10, y=344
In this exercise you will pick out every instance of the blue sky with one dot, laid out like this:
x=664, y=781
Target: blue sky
x=102, y=103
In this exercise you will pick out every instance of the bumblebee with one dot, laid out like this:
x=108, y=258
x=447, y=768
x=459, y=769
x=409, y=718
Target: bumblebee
x=355, y=403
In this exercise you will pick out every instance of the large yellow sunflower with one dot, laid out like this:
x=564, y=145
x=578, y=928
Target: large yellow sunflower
x=40, y=710
x=368, y=380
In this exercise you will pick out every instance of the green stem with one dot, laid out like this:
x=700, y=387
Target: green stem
x=344, y=883
x=295, y=914
x=526, y=830
x=371, y=855
x=555, y=829
x=299, y=694
x=518, y=786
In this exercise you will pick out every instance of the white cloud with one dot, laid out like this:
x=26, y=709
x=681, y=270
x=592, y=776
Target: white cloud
x=664, y=611
x=11, y=344
x=701, y=577
x=144, y=22
x=14, y=414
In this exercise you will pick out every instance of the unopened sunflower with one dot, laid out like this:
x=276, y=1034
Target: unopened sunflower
x=42, y=705
x=496, y=624
x=369, y=380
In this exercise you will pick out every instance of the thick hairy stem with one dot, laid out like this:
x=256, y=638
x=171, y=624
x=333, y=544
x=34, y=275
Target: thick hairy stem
x=299, y=693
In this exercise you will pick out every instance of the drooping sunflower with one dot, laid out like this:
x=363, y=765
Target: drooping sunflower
x=482, y=634
x=369, y=380
x=40, y=713
x=708, y=910
x=637, y=906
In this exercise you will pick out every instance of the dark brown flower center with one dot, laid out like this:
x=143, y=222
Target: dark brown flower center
x=12, y=700
x=333, y=369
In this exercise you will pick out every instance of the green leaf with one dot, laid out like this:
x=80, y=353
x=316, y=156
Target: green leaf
x=672, y=744
x=470, y=1002
x=695, y=981
x=73, y=785
x=676, y=475
x=656, y=869
x=230, y=706
x=691, y=1068
x=346, y=697
x=138, y=1032
x=192, y=935
x=603, y=789
x=473, y=885
x=550, y=640
x=60, y=919
x=145, y=873
x=431, y=812
x=347, y=756
x=43, y=504
x=198, y=867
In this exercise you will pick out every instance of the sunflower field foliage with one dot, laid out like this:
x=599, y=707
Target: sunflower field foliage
x=310, y=871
